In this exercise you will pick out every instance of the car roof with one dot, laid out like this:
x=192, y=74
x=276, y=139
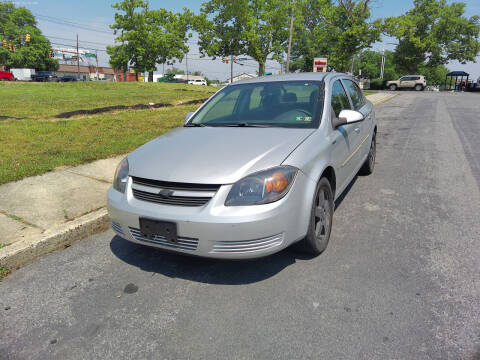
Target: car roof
x=310, y=76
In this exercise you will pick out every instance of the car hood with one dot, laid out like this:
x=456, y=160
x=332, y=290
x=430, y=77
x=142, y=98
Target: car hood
x=213, y=155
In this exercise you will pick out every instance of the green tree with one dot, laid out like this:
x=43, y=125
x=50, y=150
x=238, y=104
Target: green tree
x=370, y=62
x=251, y=27
x=433, y=33
x=15, y=23
x=338, y=30
x=148, y=37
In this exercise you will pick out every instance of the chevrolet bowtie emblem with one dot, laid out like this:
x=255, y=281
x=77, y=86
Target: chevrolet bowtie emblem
x=164, y=193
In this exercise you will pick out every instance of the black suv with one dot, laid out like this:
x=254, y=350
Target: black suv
x=44, y=76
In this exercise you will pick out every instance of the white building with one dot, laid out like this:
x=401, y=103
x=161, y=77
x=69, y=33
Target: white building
x=242, y=77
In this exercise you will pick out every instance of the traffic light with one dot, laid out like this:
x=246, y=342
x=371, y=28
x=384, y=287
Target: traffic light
x=10, y=47
x=50, y=53
x=14, y=47
x=4, y=43
x=234, y=58
x=27, y=38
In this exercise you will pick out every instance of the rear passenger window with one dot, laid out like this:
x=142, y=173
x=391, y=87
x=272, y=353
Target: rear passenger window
x=339, y=98
x=355, y=93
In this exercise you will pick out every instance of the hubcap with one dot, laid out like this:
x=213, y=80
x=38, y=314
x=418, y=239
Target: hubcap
x=322, y=216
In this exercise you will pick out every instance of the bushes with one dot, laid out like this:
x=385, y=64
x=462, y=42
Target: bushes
x=377, y=84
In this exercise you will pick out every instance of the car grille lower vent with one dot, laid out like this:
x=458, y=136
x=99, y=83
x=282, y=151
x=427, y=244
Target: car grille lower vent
x=172, y=193
x=183, y=243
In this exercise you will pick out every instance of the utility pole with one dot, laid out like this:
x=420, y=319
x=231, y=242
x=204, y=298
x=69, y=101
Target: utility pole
x=186, y=64
x=231, y=69
x=287, y=65
x=96, y=58
x=353, y=63
x=382, y=67
x=78, y=61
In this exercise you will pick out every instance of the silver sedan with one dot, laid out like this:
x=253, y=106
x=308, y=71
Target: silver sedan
x=255, y=169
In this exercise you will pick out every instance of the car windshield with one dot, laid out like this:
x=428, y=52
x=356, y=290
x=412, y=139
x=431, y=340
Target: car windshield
x=296, y=104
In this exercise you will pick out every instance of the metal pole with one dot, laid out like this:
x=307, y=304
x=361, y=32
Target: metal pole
x=78, y=61
x=186, y=64
x=382, y=66
x=287, y=65
x=231, y=69
x=96, y=58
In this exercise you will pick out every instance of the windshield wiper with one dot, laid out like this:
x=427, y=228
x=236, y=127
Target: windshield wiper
x=244, y=124
x=195, y=125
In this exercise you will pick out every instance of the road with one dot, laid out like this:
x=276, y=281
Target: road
x=399, y=280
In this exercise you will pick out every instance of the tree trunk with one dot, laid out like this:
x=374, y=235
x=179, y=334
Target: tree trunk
x=150, y=76
x=261, y=68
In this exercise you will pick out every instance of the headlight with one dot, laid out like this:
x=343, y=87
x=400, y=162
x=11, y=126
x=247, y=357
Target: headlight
x=121, y=176
x=263, y=187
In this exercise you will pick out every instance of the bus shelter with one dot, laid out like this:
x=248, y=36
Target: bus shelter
x=458, y=85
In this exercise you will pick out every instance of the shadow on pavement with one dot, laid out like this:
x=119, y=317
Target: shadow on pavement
x=212, y=271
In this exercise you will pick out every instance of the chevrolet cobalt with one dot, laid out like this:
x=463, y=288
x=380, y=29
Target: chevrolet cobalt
x=255, y=169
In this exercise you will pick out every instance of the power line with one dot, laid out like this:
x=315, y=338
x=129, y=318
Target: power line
x=83, y=41
x=70, y=23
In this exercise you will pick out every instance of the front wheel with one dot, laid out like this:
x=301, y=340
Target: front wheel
x=321, y=217
x=393, y=87
x=369, y=164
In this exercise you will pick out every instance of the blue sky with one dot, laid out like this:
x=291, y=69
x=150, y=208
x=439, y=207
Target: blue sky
x=99, y=14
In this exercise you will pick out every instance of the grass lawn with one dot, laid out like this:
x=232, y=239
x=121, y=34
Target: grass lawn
x=366, y=93
x=44, y=100
x=33, y=141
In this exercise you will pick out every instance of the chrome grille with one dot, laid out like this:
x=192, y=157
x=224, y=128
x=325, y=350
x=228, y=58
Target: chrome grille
x=180, y=194
x=247, y=245
x=183, y=243
x=117, y=228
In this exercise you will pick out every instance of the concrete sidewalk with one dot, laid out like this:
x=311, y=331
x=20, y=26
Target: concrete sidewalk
x=42, y=213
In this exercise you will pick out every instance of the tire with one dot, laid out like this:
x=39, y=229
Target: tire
x=321, y=216
x=369, y=164
x=393, y=87
x=418, y=87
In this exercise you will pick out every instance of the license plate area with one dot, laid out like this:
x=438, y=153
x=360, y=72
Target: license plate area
x=151, y=228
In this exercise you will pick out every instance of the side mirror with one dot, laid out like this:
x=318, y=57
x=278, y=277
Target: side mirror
x=348, y=117
x=189, y=115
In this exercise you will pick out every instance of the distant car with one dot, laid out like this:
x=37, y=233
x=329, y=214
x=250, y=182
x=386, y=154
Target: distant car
x=197, y=82
x=6, y=75
x=68, y=78
x=44, y=76
x=417, y=82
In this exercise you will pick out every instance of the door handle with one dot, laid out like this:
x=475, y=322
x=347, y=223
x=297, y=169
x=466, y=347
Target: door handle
x=357, y=130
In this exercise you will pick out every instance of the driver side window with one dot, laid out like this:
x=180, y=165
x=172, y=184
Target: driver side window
x=339, y=98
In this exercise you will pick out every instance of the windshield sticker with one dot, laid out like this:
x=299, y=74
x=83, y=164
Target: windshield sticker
x=303, y=118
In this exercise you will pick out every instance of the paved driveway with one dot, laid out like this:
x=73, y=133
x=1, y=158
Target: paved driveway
x=399, y=280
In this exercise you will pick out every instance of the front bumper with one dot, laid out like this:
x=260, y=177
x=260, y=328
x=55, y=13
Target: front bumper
x=215, y=230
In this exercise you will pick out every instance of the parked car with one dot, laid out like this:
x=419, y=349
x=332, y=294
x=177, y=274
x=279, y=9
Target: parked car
x=44, y=76
x=6, y=76
x=198, y=82
x=417, y=82
x=255, y=169
x=68, y=78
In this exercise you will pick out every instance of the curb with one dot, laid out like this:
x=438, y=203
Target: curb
x=22, y=252
x=384, y=100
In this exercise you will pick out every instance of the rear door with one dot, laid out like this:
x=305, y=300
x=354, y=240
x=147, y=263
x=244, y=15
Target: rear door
x=363, y=128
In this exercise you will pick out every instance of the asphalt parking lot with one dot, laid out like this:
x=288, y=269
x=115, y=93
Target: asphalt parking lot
x=399, y=280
